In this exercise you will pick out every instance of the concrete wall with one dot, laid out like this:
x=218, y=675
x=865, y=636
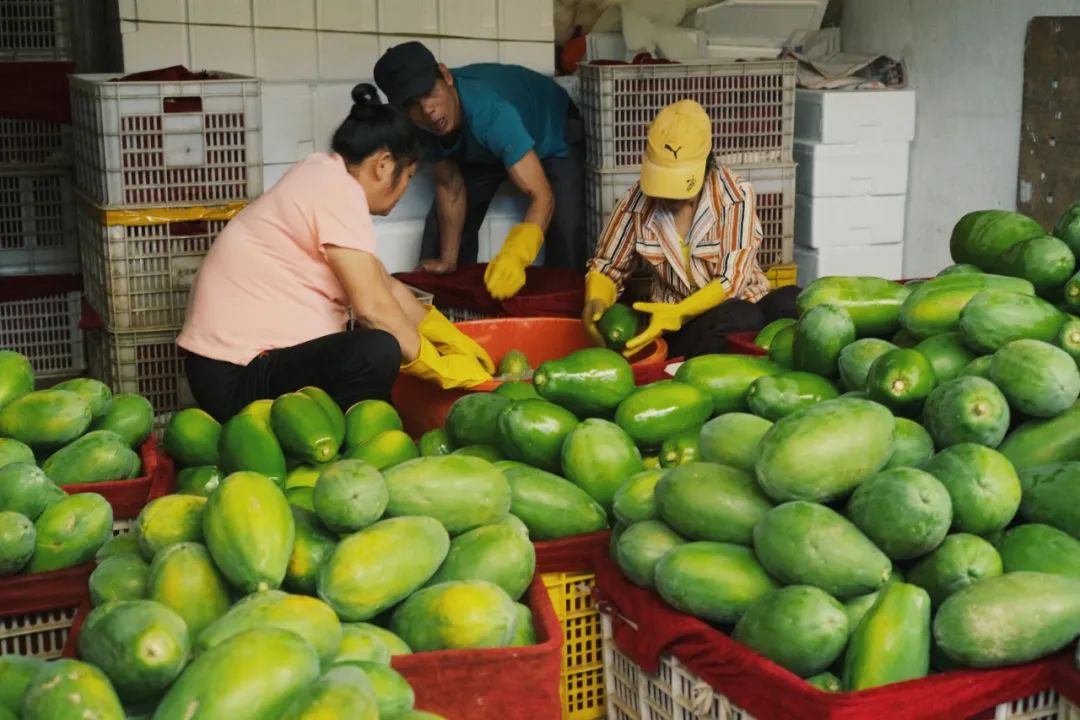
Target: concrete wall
x=966, y=60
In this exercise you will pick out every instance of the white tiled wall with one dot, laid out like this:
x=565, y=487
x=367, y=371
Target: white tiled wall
x=310, y=53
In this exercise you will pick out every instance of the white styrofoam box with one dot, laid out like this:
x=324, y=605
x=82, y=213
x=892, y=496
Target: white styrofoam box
x=285, y=14
x=347, y=15
x=333, y=101
x=416, y=202
x=168, y=11
x=526, y=20
x=846, y=221
x=767, y=23
x=605, y=46
x=220, y=12
x=855, y=116
x=740, y=52
x=273, y=173
x=346, y=56
x=456, y=53
x=572, y=85
x=223, y=47
x=409, y=16
x=286, y=54
x=469, y=18
x=678, y=43
x=398, y=243
x=856, y=169
x=433, y=44
x=536, y=56
x=154, y=45
x=288, y=123
x=886, y=261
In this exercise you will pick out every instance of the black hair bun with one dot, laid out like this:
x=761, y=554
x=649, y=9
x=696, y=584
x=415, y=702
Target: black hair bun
x=365, y=94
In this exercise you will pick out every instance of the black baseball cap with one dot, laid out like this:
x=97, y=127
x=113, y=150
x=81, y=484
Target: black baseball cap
x=405, y=72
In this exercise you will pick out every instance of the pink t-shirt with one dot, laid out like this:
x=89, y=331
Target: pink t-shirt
x=266, y=283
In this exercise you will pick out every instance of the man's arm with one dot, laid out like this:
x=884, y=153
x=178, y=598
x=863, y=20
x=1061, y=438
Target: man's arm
x=368, y=287
x=528, y=175
x=450, y=207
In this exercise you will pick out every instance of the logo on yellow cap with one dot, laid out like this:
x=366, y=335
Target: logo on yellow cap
x=676, y=150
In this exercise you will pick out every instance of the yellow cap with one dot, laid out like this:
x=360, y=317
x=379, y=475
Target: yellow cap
x=679, y=142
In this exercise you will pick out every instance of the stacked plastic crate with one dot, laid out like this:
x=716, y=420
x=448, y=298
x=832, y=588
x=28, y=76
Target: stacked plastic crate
x=161, y=166
x=752, y=105
x=37, y=225
x=852, y=149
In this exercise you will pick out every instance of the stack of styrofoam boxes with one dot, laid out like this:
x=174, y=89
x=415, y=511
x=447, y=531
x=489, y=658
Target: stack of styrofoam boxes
x=852, y=151
x=752, y=105
x=310, y=53
x=161, y=166
x=37, y=220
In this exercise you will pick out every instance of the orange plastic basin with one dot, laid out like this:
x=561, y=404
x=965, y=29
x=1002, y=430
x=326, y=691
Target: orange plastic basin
x=423, y=406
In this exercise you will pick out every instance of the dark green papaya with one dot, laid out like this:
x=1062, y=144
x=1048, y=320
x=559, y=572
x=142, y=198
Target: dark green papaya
x=655, y=412
x=934, y=307
x=1043, y=260
x=725, y=378
x=821, y=334
x=947, y=353
x=872, y=303
x=777, y=396
x=855, y=361
x=988, y=236
x=994, y=318
x=532, y=431
x=589, y=382
x=473, y=419
x=781, y=351
x=617, y=325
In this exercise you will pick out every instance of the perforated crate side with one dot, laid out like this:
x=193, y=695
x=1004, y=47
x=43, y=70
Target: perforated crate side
x=37, y=223
x=774, y=192
x=139, y=277
x=35, y=30
x=45, y=330
x=33, y=143
x=166, y=144
x=752, y=106
x=582, y=676
x=621, y=678
x=147, y=363
x=1046, y=705
x=41, y=634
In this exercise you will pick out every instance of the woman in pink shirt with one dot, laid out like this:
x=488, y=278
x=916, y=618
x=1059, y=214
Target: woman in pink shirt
x=269, y=308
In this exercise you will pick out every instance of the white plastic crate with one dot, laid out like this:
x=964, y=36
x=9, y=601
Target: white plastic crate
x=45, y=330
x=885, y=261
x=774, y=188
x=37, y=222
x=865, y=220
x=752, y=105
x=855, y=169
x=41, y=634
x=35, y=30
x=33, y=143
x=164, y=144
x=147, y=363
x=676, y=693
x=855, y=116
x=139, y=276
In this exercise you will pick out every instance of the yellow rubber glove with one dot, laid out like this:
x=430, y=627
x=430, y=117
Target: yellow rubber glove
x=449, y=339
x=447, y=371
x=600, y=293
x=505, y=274
x=668, y=317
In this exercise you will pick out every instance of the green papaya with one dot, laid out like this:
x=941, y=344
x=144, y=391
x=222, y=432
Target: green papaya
x=994, y=318
x=906, y=512
x=71, y=690
x=959, y=561
x=1037, y=378
x=590, y=382
x=934, y=308
x=901, y=380
x=191, y=438
x=800, y=628
x=705, y=501
x=983, y=485
x=473, y=419
x=855, y=361
x=640, y=546
x=598, y=456
x=460, y=492
x=912, y=445
x=367, y=418
x=16, y=376
x=1043, y=260
x=966, y=410
x=821, y=334
x=247, y=443
x=303, y=428
x=948, y=354
x=982, y=239
x=532, y=431
x=550, y=506
x=776, y=396
x=129, y=416
x=732, y=440
x=657, y=411
x=716, y=582
x=635, y=500
x=1044, y=442
x=765, y=337
x=617, y=325
x=725, y=378
x=892, y=642
x=311, y=548
x=873, y=304
x=1051, y=495
x=45, y=419
x=782, y=350
x=680, y=449
x=1040, y=548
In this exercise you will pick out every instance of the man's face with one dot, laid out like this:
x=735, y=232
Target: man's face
x=439, y=111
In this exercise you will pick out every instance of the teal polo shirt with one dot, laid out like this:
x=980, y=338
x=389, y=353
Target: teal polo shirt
x=508, y=111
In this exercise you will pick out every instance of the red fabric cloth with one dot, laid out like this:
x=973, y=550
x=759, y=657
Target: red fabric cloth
x=644, y=627
x=1067, y=677
x=572, y=554
x=548, y=292
x=742, y=343
x=494, y=684
x=129, y=497
x=34, y=286
x=36, y=91
x=176, y=73
x=45, y=591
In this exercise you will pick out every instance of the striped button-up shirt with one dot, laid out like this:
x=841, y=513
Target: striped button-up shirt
x=723, y=242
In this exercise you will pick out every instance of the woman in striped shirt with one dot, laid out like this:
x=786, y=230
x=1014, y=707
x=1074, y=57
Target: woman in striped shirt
x=695, y=226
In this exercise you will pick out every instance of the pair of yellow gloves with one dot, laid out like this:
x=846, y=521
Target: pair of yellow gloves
x=448, y=357
x=600, y=294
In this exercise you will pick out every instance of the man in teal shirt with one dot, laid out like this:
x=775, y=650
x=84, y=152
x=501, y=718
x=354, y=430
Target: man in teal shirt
x=490, y=121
